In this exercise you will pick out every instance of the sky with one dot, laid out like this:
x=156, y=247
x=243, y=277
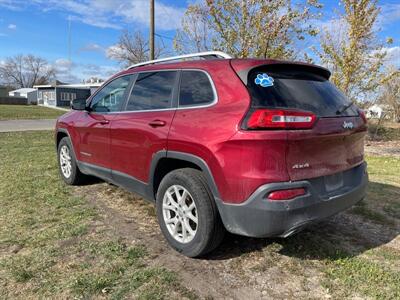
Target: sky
x=41, y=27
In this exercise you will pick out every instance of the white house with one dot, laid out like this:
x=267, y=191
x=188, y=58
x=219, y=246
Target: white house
x=21, y=92
x=28, y=93
x=376, y=111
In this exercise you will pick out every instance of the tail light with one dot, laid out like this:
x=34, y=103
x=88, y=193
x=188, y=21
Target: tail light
x=281, y=119
x=286, y=194
x=362, y=115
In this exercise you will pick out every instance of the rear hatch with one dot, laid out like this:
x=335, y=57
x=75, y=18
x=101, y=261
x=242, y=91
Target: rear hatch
x=325, y=132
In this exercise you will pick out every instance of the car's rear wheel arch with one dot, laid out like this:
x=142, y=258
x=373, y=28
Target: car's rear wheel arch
x=164, y=163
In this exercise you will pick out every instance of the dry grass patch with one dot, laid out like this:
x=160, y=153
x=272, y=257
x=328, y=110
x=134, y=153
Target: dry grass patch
x=55, y=244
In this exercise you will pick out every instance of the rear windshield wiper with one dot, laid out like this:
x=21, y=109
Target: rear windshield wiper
x=344, y=107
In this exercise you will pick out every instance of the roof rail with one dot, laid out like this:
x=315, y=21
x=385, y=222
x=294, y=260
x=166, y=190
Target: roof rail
x=215, y=54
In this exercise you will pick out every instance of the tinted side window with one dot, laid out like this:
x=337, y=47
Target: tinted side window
x=152, y=90
x=195, y=89
x=111, y=96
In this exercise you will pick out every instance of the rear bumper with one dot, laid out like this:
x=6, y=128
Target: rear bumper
x=259, y=217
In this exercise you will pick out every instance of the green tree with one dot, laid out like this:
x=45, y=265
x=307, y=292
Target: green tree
x=195, y=35
x=350, y=49
x=248, y=28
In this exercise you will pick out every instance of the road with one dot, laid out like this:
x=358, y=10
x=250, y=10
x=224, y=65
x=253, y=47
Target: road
x=25, y=125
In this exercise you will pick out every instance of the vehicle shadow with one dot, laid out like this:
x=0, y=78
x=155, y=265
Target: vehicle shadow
x=91, y=180
x=345, y=235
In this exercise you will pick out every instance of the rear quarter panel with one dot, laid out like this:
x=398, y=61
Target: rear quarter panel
x=239, y=161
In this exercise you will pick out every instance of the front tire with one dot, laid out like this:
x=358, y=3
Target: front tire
x=187, y=213
x=67, y=166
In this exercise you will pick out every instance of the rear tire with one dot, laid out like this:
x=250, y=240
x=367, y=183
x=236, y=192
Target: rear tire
x=177, y=218
x=67, y=165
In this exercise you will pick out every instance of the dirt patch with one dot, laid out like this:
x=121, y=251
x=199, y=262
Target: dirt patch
x=383, y=148
x=242, y=267
x=131, y=218
x=235, y=271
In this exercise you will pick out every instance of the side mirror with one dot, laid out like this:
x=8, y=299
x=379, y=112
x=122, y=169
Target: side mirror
x=78, y=104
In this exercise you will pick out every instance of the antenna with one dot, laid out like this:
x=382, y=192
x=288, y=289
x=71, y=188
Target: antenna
x=69, y=47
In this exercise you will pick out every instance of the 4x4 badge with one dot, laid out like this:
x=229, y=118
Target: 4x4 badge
x=348, y=125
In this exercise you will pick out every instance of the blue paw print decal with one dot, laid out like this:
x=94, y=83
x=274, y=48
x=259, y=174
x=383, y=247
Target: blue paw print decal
x=264, y=80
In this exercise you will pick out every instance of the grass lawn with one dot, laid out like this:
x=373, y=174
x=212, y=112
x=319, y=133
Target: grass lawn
x=50, y=242
x=54, y=244
x=16, y=112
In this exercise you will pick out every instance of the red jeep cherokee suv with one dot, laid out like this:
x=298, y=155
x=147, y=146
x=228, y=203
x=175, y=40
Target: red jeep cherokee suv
x=260, y=148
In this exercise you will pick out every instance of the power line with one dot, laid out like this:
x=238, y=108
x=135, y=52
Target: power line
x=164, y=36
x=172, y=39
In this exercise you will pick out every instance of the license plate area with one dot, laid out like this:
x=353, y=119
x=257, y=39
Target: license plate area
x=333, y=182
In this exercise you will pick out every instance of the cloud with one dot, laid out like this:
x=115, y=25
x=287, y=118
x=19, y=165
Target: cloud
x=12, y=26
x=113, y=14
x=63, y=64
x=102, y=71
x=12, y=4
x=390, y=13
x=114, y=51
x=392, y=55
x=69, y=72
x=92, y=47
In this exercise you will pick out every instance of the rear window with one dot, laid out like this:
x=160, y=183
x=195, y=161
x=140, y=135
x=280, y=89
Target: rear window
x=296, y=87
x=195, y=89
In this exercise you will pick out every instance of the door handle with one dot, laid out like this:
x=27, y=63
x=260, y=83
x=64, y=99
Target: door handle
x=157, y=123
x=104, y=122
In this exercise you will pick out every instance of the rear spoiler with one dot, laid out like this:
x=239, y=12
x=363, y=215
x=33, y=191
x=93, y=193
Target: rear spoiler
x=242, y=67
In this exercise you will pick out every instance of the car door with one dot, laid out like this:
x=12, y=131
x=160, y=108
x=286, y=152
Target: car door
x=142, y=129
x=94, y=126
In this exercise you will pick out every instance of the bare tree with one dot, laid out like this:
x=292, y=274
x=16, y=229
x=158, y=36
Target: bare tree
x=248, y=28
x=26, y=71
x=390, y=93
x=132, y=48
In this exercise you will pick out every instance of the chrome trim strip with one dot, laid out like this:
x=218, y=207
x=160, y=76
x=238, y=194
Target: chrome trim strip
x=180, y=57
x=215, y=101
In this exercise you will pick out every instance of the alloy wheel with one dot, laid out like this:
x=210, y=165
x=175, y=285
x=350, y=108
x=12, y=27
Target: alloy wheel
x=180, y=214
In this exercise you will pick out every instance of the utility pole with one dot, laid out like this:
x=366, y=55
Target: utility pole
x=151, y=29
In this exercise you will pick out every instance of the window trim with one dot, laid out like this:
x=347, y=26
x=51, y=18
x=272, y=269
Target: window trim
x=129, y=87
x=175, y=100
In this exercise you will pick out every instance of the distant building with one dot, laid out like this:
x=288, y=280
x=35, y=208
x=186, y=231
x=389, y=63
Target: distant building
x=61, y=94
x=23, y=92
x=3, y=91
x=378, y=111
x=27, y=93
